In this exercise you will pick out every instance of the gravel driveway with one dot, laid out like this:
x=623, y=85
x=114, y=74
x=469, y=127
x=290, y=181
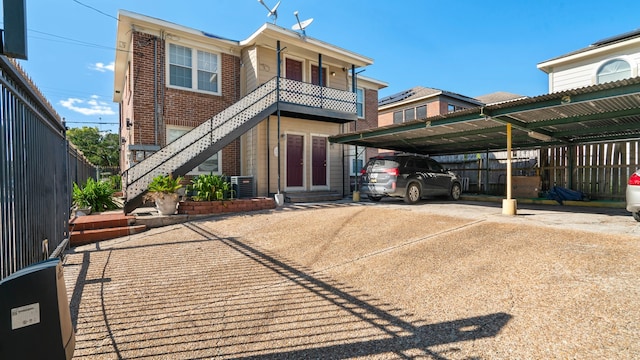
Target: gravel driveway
x=359, y=280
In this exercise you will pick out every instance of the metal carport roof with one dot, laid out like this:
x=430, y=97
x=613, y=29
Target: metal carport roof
x=605, y=112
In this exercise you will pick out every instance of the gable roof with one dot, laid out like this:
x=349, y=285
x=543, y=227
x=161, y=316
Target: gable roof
x=600, y=46
x=419, y=93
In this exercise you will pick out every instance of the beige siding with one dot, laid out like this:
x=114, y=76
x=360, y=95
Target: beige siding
x=306, y=128
x=249, y=68
x=267, y=65
x=583, y=73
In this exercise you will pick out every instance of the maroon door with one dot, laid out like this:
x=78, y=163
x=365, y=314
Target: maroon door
x=294, y=69
x=295, y=160
x=319, y=161
x=315, y=76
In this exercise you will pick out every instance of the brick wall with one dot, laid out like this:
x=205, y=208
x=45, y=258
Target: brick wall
x=175, y=106
x=370, y=118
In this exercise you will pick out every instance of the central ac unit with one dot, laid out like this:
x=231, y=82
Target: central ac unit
x=243, y=187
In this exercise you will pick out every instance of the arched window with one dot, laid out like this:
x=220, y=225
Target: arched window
x=613, y=70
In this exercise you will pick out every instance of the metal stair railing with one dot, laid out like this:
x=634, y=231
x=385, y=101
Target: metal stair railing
x=188, y=151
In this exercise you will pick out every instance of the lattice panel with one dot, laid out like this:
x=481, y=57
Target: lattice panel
x=296, y=92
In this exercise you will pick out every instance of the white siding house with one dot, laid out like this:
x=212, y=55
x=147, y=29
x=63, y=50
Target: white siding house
x=606, y=60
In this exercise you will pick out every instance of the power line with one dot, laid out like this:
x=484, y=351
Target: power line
x=94, y=9
x=91, y=122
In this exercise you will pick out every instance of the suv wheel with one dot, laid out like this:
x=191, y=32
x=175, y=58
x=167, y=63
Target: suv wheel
x=636, y=216
x=456, y=190
x=413, y=193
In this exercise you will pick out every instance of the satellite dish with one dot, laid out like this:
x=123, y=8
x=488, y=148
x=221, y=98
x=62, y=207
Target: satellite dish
x=301, y=25
x=273, y=13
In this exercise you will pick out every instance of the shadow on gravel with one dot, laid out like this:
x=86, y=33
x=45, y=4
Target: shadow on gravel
x=245, y=304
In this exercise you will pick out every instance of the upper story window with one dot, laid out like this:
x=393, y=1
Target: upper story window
x=199, y=72
x=360, y=102
x=613, y=70
x=410, y=114
x=397, y=117
x=421, y=112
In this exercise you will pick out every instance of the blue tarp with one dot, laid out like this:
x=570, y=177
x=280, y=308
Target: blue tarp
x=561, y=194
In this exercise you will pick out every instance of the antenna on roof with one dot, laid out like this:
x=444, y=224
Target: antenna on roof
x=273, y=12
x=301, y=25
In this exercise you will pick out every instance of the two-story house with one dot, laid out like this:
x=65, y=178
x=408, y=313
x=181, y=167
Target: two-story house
x=196, y=103
x=607, y=60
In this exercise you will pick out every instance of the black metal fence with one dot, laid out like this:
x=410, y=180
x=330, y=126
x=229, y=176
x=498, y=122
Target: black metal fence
x=36, y=173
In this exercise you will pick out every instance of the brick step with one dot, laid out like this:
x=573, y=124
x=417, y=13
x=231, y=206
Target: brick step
x=100, y=221
x=82, y=237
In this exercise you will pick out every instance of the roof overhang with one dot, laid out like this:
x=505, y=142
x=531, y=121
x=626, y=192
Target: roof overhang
x=606, y=112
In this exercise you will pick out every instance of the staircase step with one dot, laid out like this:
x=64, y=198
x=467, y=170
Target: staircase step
x=100, y=221
x=82, y=237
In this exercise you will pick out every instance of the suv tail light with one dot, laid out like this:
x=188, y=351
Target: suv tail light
x=363, y=171
x=392, y=171
x=634, y=179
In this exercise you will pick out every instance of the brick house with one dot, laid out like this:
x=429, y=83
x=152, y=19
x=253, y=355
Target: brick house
x=195, y=103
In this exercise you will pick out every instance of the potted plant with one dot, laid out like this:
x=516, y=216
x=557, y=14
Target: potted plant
x=163, y=190
x=94, y=195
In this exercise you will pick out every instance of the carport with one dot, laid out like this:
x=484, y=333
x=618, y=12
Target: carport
x=598, y=113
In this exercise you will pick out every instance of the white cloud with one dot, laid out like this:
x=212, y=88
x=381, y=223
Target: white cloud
x=102, y=67
x=92, y=106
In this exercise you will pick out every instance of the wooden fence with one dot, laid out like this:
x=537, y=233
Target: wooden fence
x=600, y=170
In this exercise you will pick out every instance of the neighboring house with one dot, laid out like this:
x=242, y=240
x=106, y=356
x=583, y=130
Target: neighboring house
x=607, y=60
x=420, y=103
x=170, y=79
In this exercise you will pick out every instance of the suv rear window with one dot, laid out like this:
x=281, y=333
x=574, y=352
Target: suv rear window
x=379, y=164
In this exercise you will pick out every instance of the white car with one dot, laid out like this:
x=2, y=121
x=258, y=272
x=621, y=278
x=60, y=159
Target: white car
x=633, y=195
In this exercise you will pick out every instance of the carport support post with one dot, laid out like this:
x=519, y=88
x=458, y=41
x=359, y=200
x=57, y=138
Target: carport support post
x=509, y=205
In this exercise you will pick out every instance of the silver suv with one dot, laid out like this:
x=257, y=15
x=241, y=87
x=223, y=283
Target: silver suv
x=410, y=177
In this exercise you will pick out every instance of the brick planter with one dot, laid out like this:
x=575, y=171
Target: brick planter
x=226, y=206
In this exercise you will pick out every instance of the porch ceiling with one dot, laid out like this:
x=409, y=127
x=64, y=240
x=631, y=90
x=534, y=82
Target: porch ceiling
x=606, y=112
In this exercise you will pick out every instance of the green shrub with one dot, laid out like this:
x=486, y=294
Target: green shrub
x=210, y=187
x=98, y=195
x=165, y=184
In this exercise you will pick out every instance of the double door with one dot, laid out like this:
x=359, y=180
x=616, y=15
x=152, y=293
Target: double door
x=295, y=162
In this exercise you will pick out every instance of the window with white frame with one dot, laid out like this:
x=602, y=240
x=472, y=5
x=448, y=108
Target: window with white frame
x=212, y=165
x=199, y=72
x=397, y=117
x=360, y=102
x=613, y=70
x=410, y=114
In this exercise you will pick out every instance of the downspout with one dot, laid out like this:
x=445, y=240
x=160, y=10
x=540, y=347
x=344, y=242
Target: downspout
x=268, y=156
x=155, y=89
x=279, y=197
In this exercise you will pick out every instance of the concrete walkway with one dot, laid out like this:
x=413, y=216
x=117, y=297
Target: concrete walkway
x=438, y=280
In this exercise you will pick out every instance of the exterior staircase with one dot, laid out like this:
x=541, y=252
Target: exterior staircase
x=202, y=142
x=92, y=228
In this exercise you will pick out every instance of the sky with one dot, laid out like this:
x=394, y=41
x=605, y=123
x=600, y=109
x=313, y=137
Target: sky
x=470, y=47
